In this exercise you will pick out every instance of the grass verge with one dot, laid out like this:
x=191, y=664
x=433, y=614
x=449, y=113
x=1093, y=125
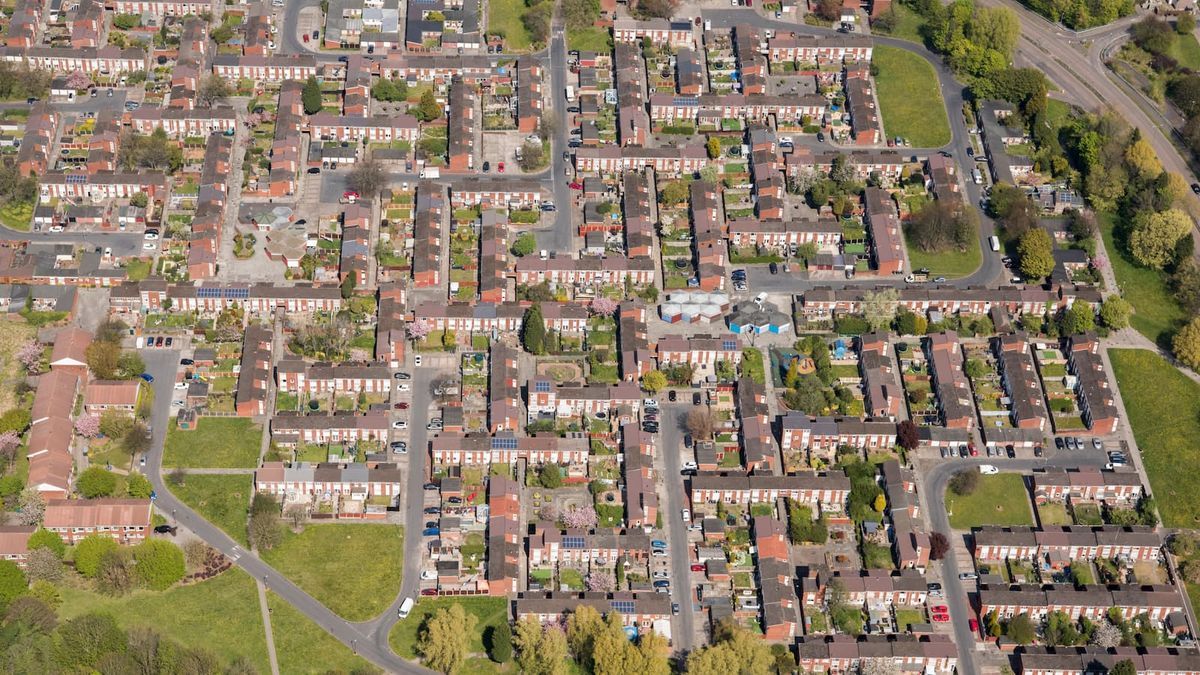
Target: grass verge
x=216, y=442
x=1164, y=412
x=223, y=500
x=489, y=612
x=953, y=263
x=999, y=500
x=1155, y=313
x=353, y=569
x=304, y=648
x=219, y=614
x=910, y=99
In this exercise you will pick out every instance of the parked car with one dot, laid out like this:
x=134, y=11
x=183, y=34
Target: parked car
x=662, y=583
x=940, y=618
x=696, y=398
x=1097, y=443
x=1058, y=442
x=974, y=624
x=165, y=529
x=433, y=509
x=401, y=406
x=431, y=486
x=400, y=424
x=988, y=470
x=429, y=592
x=430, y=532
x=428, y=575
x=147, y=377
x=402, y=376
x=968, y=576
x=671, y=396
x=697, y=568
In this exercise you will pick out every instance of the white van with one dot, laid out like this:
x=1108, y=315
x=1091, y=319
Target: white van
x=405, y=608
x=995, y=242
x=431, y=172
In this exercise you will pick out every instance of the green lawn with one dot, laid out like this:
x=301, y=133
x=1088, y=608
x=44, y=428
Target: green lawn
x=354, y=570
x=489, y=612
x=908, y=24
x=137, y=269
x=999, y=500
x=907, y=617
x=504, y=18
x=222, y=500
x=220, y=614
x=591, y=39
x=910, y=100
x=1164, y=412
x=303, y=647
x=1186, y=51
x=17, y=216
x=1054, y=514
x=946, y=263
x=216, y=442
x=1155, y=313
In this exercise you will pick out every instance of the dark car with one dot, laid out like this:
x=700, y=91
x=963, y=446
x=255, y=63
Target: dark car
x=315, y=170
x=342, y=59
x=1196, y=188
x=774, y=268
x=433, y=510
x=158, y=341
x=672, y=396
x=316, y=34
x=1010, y=451
x=430, y=524
x=401, y=406
x=186, y=362
x=402, y=376
x=169, y=341
x=487, y=166
x=1037, y=451
x=943, y=153
x=696, y=398
x=455, y=500
x=429, y=592
x=662, y=583
x=970, y=152
x=687, y=440
x=147, y=377
x=431, y=486
x=166, y=529
x=945, y=453
x=1058, y=443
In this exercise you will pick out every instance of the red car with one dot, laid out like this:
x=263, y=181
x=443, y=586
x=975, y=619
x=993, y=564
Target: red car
x=500, y=167
x=939, y=609
x=972, y=450
x=974, y=624
x=697, y=568
x=941, y=618
x=575, y=185
x=429, y=591
x=306, y=37
x=401, y=406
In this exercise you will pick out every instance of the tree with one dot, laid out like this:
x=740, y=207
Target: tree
x=533, y=330
x=310, y=96
x=533, y=157
x=1154, y=236
x=1142, y=159
x=297, y=515
x=31, y=613
x=367, y=178
x=82, y=641
x=102, y=359
x=16, y=420
x=9, y=442
x=1186, y=344
x=1036, y=253
x=1190, y=571
x=654, y=381
x=96, y=482
x=418, y=330
x=1185, y=23
x=734, y=650
x=964, y=482
x=880, y=502
x=579, y=517
x=12, y=582
x=348, y=284
x=604, y=306
x=90, y=551
x=160, y=563
x=1126, y=666
x=43, y=538
x=1021, y=629
x=136, y=439
x=700, y=424
x=444, y=639
x=879, y=307
x=525, y=244
x=213, y=89
x=943, y=224
x=138, y=486
x=1115, y=311
x=550, y=476
x=1153, y=35
x=673, y=192
x=427, y=109
x=600, y=580
x=995, y=28
x=1014, y=209
x=44, y=565
x=87, y=426
x=540, y=650
x=30, y=357
x=113, y=575
x=713, y=145
x=656, y=9
x=939, y=545
x=1078, y=318
x=32, y=507
x=501, y=648
x=906, y=435
x=265, y=529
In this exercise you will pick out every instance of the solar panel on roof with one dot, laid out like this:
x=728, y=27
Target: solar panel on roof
x=623, y=606
x=573, y=542
x=687, y=100
x=76, y=178
x=504, y=444
x=728, y=345
x=542, y=386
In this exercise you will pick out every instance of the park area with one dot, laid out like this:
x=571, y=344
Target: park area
x=489, y=612
x=910, y=100
x=1000, y=499
x=215, y=443
x=1163, y=406
x=353, y=569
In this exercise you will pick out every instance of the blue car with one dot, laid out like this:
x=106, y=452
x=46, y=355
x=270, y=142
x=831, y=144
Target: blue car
x=662, y=583
x=147, y=377
x=431, y=532
x=658, y=543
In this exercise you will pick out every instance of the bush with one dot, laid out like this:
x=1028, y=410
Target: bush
x=90, y=551
x=44, y=538
x=159, y=563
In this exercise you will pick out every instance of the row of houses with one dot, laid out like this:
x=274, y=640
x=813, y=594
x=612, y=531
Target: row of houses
x=1093, y=602
x=1058, y=545
x=126, y=521
x=849, y=654
x=820, y=491
x=210, y=298
x=822, y=303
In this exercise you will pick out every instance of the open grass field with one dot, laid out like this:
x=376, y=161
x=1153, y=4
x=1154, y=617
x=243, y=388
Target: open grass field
x=949, y=264
x=504, y=18
x=908, y=24
x=1186, y=50
x=220, y=614
x=223, y=500
x=592, y=39
x=910, y=100
x=1155, y=313
x=302, y=647
x=999, y=500
x=1164, y=412
x=216, y=443
x=13, y=335
x=354, y=570
x=489, y=612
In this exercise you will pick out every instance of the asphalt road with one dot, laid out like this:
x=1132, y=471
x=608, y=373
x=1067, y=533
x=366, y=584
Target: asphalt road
x=934, y=478
x=562, y=237
x=672, y=418
x=163, y=364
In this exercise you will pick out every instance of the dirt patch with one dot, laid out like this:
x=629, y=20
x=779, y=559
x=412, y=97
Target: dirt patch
x=561, y=372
